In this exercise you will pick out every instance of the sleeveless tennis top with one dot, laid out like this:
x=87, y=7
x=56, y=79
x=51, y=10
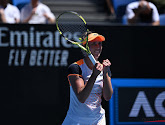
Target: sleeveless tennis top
x=91, y=110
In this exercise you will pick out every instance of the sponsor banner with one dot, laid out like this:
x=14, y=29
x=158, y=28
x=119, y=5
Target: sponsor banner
x=24, y=45
x=35, y=45
x=138, y=101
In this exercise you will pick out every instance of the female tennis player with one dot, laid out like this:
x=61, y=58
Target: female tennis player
x=88, y=83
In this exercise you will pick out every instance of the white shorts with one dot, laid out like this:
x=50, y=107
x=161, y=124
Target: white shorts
x=70, y=121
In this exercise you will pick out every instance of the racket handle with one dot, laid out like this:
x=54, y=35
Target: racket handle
x=94, y=62
x=92, y=59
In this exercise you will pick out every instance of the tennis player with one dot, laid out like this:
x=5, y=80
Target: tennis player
x=88, y=83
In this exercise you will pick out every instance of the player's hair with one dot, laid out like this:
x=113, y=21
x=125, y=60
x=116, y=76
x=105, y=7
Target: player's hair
x=85, y=34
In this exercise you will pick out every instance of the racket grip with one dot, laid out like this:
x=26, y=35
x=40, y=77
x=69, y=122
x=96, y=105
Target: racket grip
x=92, y=59
x=94, y=62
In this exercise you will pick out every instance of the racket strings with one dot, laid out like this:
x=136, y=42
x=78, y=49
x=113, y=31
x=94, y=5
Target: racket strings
x=72, y=27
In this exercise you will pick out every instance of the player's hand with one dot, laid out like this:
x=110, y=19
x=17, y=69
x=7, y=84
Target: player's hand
x=97, y=68
x=106, y=65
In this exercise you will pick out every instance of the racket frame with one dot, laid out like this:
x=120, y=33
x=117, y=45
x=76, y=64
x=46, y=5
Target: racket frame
x=86, y=48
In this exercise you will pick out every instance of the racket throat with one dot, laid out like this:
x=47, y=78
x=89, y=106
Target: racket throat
x=91, y=57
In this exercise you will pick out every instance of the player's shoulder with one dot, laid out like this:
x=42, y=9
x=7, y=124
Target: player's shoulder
x=74, y=68
x=79, y=62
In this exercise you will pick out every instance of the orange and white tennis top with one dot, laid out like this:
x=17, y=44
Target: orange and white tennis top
x=91, y=110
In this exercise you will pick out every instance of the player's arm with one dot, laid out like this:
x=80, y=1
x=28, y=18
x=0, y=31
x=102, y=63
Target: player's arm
x=81, y=89
x=107, y=86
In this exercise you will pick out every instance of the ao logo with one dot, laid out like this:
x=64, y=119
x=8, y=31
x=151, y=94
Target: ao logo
x=142, y=102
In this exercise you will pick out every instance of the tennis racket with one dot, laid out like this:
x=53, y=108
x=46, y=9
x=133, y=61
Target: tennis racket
x=70, y=22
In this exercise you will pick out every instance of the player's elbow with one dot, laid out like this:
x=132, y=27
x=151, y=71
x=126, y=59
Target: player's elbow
x=107, y=98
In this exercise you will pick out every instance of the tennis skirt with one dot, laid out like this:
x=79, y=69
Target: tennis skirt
x=70, y=121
